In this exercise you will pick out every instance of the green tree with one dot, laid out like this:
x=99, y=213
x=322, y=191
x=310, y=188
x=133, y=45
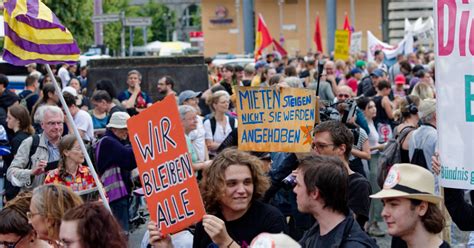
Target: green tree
x=75, y=15
x=163, y=20
x=113, y=30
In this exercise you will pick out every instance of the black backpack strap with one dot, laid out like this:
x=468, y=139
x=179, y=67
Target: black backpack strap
x=232, y=122
x=213, y=125
x=33, y=148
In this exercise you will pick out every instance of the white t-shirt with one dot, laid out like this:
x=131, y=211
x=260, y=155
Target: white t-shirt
x=83, y=122
x=197, y=138
x=64, y=76
x=373, y=136
x=221, y=132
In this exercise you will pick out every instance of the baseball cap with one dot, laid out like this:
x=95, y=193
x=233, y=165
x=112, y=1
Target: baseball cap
x=188, y=94
x=409, y=181
x=400, y=79
x=70, y=90
x=377, y=73
x=360, y=63
x=259, y=64
x=355, y=71
x=118, y=120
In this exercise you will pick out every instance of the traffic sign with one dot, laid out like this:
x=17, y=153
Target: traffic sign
x=106, y=18
x=138, y=21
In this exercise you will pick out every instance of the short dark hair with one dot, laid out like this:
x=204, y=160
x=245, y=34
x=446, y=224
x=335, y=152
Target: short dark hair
x=433, y=220
x=100, y=95
x=107, y=85
x=31, y=79
x=377, y=52
x=384, y=84
x=340, y=134
x=329, y=176
x=229, y=68
x=69, y=99
x=238, y=68
x=290, y=71
x=363, y=102
x=4, y=80
x=169, y=81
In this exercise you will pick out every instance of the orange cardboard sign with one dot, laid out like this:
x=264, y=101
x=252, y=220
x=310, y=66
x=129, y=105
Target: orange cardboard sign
x=165, y=167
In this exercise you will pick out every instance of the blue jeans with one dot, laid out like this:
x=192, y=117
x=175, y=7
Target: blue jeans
x=120, y=210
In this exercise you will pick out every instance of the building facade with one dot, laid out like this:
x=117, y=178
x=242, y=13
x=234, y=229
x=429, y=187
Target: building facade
x=222, y=22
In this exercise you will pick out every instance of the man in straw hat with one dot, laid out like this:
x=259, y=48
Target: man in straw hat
x=410, y=209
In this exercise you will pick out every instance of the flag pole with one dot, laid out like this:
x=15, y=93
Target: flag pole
x=79, y=139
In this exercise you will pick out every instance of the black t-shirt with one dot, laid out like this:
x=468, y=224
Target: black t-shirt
x=444, y=245
x=313, y=238
x=260, y=217
x=358, y=197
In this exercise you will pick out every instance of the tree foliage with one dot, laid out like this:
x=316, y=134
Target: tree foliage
x=75, y=15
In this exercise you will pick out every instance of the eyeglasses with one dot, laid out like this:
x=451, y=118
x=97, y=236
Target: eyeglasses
x=343, y=96
x=320, y=146
x=54, y=123
x=30, y=215
x=10, y=244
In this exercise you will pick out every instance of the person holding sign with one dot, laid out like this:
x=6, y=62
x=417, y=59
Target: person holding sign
x=232, y=186
x=219, y=125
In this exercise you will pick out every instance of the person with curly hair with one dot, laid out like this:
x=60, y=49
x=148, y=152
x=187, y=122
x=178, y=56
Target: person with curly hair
x=70, y=171
x=84, y=225
x=14, y=228
x=231, y=189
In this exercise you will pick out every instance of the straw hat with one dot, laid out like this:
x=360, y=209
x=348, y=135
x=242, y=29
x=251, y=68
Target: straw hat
x=409, y=181
x=274, y=240
x=118, y=120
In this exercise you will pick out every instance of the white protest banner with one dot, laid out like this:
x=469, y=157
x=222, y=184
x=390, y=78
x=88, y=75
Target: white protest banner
x=454, y=49
x=420, y=29
x=403, y=47
x=356, y=42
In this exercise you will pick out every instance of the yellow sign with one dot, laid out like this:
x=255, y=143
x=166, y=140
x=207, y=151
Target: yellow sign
x=276, y=120
x=341, y=45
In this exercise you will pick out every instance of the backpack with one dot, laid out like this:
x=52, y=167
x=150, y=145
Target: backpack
x=418, y=157
x=391, y=155
x=12, y=191
x=214, y=123
x=24, y=100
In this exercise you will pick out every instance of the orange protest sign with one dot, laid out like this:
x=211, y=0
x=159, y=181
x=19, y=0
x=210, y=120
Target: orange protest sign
x=276, y=120
x=165, y=167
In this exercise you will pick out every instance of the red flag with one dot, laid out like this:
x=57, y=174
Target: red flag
x=262, y=37
x=347, y=26
x=279, y=48
x=317, y=36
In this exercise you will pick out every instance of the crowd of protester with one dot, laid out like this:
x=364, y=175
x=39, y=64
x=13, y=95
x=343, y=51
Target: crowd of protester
x=333, y=196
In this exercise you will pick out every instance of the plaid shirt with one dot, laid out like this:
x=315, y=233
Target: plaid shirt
x=82, y=181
